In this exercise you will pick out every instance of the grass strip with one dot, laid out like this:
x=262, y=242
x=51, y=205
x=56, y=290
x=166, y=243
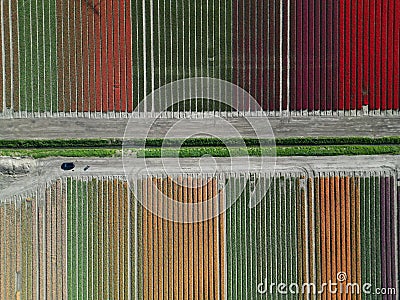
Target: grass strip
x=269, y=151
x=40, y=153
x=212, y=151
x=198, y=142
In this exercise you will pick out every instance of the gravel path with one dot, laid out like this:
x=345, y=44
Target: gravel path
x=52, y=128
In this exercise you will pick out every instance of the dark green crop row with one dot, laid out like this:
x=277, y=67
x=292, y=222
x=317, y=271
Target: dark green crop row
x=198, y=142
x=254, y=142
x=58, y=143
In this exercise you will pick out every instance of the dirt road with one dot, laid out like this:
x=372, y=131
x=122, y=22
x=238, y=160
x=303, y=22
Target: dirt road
x=51, y=128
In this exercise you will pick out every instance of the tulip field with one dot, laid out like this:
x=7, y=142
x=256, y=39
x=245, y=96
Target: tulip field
x=307, y=230
x=98, y=58
x=86, y=237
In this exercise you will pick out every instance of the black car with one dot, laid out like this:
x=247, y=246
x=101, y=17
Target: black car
x=67, y=166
